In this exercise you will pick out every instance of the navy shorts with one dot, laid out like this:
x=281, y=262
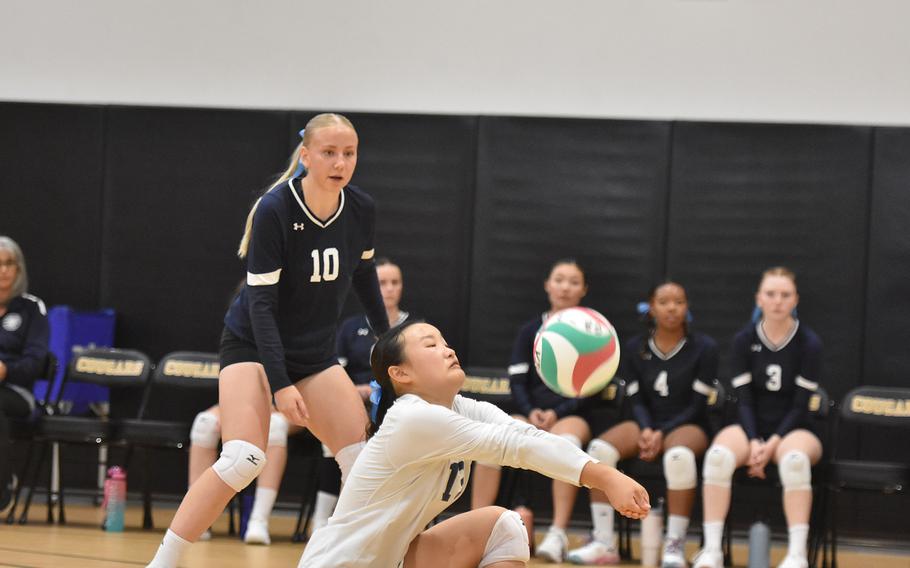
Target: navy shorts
x=234, y=349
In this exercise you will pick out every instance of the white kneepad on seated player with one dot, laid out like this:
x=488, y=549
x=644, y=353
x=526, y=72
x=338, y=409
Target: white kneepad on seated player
x=680, y=470
x=720, y=463
x=603, y=452
x=278, y=430
x=795, y=471
x=206, y=430
x=508, y=541
x=239, y=464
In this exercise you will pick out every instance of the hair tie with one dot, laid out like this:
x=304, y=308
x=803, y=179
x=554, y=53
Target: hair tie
x=375, y=397
x=302, y=130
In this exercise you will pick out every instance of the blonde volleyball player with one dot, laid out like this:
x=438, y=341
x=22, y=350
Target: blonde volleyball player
x=308, y=240
x=776, y=368
x=417, y=462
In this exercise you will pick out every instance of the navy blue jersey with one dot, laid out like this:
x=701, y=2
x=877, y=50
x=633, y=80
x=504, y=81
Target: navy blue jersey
x=528, y=389
x=668, y=390
x=24, y=335
x=774, y=382
x=299, y=271
x=354, y=343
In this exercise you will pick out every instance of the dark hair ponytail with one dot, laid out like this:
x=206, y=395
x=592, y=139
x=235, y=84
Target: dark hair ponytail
x=388, y=352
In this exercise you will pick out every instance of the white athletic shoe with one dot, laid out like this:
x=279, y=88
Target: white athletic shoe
x=708, y=559
x=674, y=554
x=207, y=535
x=257, y=532
x=794, y=562
x=554, y=545
x=595, y=553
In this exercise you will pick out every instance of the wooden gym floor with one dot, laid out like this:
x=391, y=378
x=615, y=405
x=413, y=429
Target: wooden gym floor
x=81, y=543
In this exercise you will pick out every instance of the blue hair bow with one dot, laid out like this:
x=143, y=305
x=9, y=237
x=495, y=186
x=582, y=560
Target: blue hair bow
x=375, y=397
x=300, y=169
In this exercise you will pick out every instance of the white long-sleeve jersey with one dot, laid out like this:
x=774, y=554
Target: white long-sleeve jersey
x=418, y=464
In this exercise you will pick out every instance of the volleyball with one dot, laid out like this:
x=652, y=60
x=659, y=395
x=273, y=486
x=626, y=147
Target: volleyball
x=576, y=352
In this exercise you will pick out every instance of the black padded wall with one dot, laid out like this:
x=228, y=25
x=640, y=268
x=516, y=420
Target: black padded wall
x=51, y=164
x=420, y=171
x=552, y=188
x=178, y=185
x=747, y=197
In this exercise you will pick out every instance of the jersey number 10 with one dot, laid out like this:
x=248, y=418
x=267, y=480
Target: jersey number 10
x=328, y=270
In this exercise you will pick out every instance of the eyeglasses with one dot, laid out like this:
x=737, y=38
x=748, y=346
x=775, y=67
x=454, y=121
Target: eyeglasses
x=8, y=264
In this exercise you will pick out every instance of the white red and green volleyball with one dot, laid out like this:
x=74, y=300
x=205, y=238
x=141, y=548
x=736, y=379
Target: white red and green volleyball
x=576, y=352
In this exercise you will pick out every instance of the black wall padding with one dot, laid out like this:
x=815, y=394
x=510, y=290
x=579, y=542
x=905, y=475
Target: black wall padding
x=420, y=171
x=748, y=197
x=178, y=187
x=552, y=188
x=51, y=163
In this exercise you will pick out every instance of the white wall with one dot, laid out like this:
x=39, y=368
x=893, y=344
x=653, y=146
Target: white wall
x=769, y=60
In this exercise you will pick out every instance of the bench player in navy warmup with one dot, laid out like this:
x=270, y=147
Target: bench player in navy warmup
x=307, y=240
x=669, y=371
x=776, y=368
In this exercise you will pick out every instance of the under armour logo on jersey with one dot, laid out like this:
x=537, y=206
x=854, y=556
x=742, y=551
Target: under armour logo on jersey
x=756, y=348
x=363, y=332
x=298, y=226
x=253, y=459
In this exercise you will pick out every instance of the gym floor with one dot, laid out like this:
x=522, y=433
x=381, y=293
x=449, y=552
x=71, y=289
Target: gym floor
x=81, y=543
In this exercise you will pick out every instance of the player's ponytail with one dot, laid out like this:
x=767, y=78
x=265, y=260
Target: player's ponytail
x=388, y=352
x=294, y=169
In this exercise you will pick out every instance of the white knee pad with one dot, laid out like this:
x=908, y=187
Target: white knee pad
x=795, y=471
x=346, y=457
x=603, y=452
x=572, y=439
x=206, y=430
x=239, y=464
x=278, y=430
x=680, y=470
x=720, y=463
x=508, y=541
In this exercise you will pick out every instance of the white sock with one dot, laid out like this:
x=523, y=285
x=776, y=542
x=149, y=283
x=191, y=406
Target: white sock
x=346, y=457
x=263, y=504
x=714, y=534
x=799, y=534
x=168, y=555
x=677, y=525
x=602, y=515
x=325, y=504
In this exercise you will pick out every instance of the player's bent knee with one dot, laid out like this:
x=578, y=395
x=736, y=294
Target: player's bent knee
x=239, y=464
x=278, y=430
x=508, y=541
x=795, y=471
x=680, y=470
x=605, y=452
x=206, y=430
x=720, y=463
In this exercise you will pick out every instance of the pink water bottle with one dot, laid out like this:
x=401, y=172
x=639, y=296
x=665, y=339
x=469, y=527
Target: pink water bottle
x=114, y=499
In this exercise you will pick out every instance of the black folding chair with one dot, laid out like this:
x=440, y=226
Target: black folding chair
x=114, y=368
x=820, y=406
x=882, y=407
x=25, y=430
x=180, y=372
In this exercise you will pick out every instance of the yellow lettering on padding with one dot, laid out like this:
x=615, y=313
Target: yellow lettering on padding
x=110, y=367
x=482, y=385
x=192, y=369
x=899, y=408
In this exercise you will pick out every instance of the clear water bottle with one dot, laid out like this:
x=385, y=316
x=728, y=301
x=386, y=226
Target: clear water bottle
x=114, y=499
x=652, y=528
x=759, y=545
